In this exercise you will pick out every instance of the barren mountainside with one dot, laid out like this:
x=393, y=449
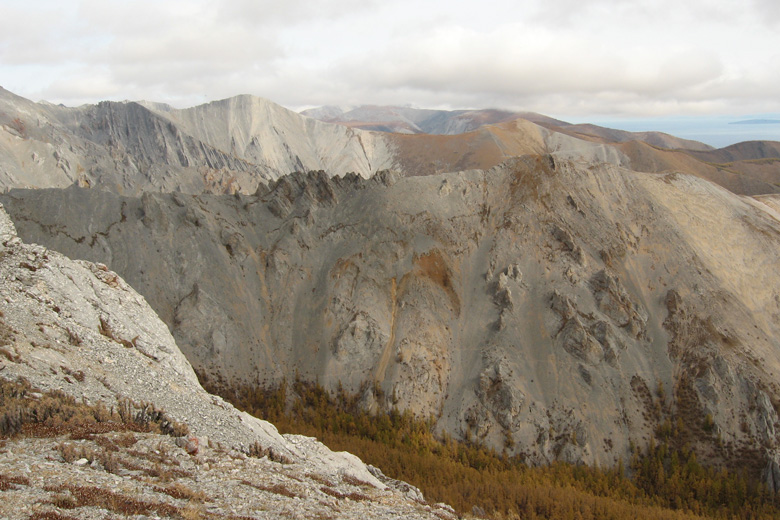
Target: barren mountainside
x=561, y=310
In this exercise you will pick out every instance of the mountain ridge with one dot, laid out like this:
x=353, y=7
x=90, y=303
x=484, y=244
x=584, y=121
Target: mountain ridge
x=514, y=301
x=232, y=145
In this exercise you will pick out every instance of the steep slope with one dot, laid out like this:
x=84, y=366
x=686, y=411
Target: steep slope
x=225, y=146
x=261, y=132
x=558, y=309
x=73, y=328
x=121, y=147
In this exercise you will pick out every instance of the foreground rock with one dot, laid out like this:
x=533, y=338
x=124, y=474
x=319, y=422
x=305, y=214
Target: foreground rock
x=127, y=474
x=78, y=328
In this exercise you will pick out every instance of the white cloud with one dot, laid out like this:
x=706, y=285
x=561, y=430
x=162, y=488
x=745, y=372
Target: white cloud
x=554, y=56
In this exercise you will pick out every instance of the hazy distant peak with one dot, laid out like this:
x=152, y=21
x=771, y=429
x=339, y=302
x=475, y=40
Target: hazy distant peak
x=326, y=112
x=409, y=120
x=757, y=122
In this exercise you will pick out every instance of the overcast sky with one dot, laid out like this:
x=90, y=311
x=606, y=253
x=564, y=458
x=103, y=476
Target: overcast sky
x=575, y=59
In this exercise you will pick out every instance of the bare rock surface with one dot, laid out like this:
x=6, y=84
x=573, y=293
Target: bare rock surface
x=561, y=310
x=78, y=328
x=149, y=476
x=132, y=147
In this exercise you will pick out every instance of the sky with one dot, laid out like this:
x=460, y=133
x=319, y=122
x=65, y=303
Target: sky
x=579, y=60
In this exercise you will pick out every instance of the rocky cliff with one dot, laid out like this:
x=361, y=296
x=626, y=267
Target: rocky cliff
x=132, y=147
x=74, y=328
x=562, y=310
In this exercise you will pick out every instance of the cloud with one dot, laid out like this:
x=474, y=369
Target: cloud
x=517, y=61
x=768, y=11
x=561, y=56
x=265, y=12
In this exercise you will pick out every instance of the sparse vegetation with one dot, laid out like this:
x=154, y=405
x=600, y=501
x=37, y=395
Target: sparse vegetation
x=25, y=411
x=277, y=489
x=663, y=482
x=7, y=482
x=84, y=496
x=180, y=491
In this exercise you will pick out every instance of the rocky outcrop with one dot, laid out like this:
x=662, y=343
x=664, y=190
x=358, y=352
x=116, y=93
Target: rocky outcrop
x=541, y=307
x=77, y=328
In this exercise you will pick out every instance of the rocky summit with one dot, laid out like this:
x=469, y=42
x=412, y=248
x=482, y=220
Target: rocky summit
x=75, y=338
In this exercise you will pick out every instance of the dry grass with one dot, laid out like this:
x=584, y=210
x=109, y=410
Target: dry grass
x=320, y=479
x=182, y=492
x=256, y=450
x=50, y=515
x=355, y=497
x=353, y=481
x=7, y=482
x=106, y=458
x=10, y=356
x=6, y=334
x=87, y=496
x=277, y=489
x=25, y=411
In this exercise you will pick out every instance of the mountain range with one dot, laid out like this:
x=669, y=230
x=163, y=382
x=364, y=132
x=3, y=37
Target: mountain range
x=560, y=292
x=234, y=144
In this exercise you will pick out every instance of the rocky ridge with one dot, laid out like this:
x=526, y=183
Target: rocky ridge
x=233, y=145
x=554, y=308
x=77, y=328
x=132, y=147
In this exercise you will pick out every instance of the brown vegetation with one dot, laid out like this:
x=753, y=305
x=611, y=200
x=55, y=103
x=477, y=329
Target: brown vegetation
x=665, y=481
x=23, y=410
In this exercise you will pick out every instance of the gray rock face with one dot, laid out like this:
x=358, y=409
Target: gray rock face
x=222, y=147
x=77, y=327
x=540, y=306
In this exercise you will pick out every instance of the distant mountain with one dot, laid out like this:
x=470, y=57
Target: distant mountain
x=408, y=120
x=757, y=122
x=236, y=144
x=745, y=151
x=447, y=122
x=610, y=135
x=129, y=147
